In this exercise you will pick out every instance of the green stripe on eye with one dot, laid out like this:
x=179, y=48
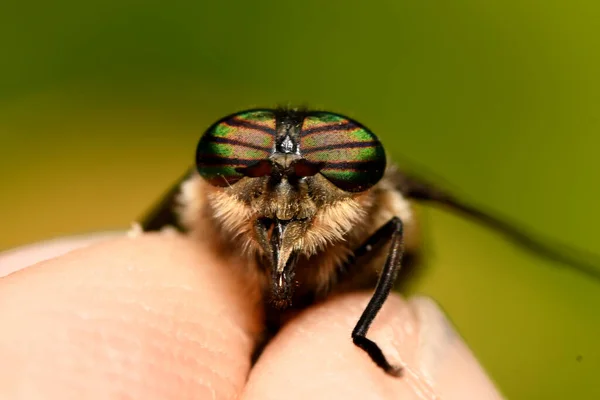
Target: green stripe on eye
x=353, y=157
x=325, y=117
x=222, y=130
x=235, y=141
x=344, y=174
x=349, y=175
x=352, y=181
x=257, y=116
x=224, y=150
x=346, y=155
x=361, y=135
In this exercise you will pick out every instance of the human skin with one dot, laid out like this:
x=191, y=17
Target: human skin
x=157, y=316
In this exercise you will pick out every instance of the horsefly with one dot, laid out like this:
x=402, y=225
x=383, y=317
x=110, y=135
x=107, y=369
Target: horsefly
x=308, y=201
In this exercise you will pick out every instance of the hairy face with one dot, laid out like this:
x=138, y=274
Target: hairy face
x=282, y=217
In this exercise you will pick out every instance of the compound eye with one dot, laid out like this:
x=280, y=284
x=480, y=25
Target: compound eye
x=351, y=157
x=233, y=144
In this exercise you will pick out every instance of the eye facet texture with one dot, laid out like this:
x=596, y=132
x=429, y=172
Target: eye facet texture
x=353, y=157
x=235, y=142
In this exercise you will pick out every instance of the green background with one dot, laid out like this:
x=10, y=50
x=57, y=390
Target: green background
x=102, y=103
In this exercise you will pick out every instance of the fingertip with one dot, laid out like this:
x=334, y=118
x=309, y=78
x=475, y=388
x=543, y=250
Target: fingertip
x=150, y=317
x=21, y=257
x=315, y=358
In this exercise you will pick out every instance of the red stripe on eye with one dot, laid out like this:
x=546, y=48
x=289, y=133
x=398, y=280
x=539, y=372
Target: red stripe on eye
x=304, y=168
x=261, y=168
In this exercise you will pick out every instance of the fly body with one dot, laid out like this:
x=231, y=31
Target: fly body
x=309, y=203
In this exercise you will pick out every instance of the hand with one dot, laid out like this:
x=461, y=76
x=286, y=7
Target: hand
x=159, y=317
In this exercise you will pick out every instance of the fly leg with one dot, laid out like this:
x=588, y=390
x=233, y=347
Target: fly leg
x=391, y=231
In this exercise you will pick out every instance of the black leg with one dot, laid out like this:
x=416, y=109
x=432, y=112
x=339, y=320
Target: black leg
x=391, y=230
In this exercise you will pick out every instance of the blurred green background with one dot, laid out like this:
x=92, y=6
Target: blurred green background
x=102, y=102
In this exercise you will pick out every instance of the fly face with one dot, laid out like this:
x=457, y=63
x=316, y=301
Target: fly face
x=287, y=169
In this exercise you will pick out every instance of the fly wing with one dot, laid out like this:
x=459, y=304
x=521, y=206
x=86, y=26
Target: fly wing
x=418, y=189
x=164, y=213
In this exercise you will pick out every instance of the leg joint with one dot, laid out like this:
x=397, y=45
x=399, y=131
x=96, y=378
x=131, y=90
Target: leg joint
x=397, y=224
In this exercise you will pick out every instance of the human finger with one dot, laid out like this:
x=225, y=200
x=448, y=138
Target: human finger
x=313, y=357
x=153, y=317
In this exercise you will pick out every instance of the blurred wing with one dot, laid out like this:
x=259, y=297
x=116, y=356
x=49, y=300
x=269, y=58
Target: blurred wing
x=420, y=190
x=164, y=213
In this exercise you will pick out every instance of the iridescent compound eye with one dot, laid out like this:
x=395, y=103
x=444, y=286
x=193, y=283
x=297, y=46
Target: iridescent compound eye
x=353, y=159
x=240, y=145
x=235, y=142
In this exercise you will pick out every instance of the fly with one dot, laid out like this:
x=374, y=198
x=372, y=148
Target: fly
x=315, y=208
